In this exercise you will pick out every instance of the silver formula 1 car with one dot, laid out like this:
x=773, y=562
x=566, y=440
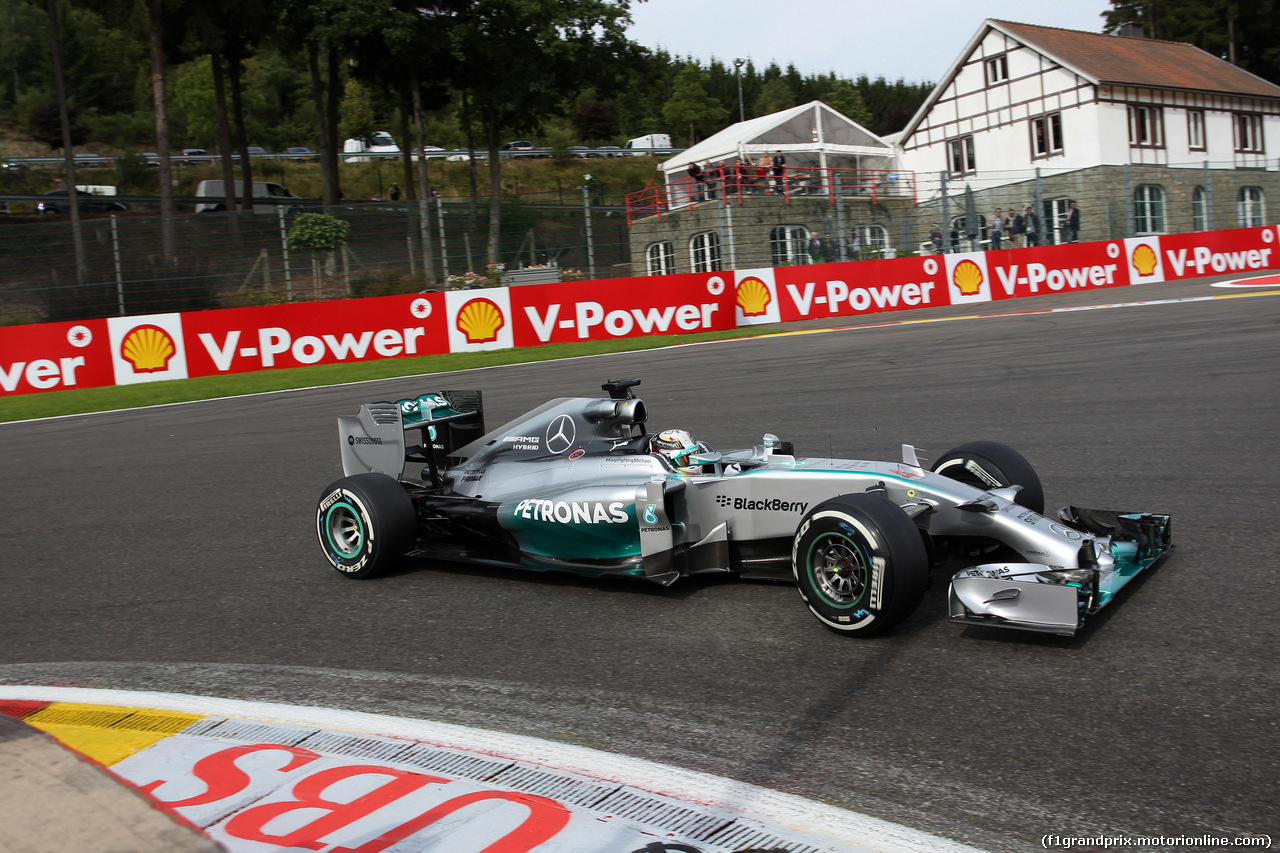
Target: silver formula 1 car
x=573, y=486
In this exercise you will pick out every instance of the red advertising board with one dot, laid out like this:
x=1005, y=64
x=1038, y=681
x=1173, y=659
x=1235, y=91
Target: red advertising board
x=1038, y=270
x=621, y=308
x=239, y=340
x=127, y=350
x=54, y=356
x=1212, y=252
x=864, y=287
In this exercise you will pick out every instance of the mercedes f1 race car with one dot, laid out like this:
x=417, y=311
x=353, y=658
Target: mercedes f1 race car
x=577, y=485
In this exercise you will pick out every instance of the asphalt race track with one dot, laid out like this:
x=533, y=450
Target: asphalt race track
x=172, y=549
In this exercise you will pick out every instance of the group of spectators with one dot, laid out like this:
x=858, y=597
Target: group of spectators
x=1017, y=229
x=766, y=175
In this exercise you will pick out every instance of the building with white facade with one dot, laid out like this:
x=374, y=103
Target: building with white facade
x=1150, y=136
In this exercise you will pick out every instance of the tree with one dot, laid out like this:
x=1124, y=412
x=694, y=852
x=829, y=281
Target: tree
x=518, y=60
x=690, y=106
x=847, y=100
x=775, y=96
x=595, y=120
x=357, y=112
x=1245, y=34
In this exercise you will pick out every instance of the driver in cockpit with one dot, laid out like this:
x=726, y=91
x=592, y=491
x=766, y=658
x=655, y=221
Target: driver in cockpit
x=676, y=446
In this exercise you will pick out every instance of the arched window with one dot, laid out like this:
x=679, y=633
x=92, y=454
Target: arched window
x=960, y=226
x=705, y=249
x=660, y=259
x=1199, y=217
x=1148, y=209
x=1249, y=207
x=787, y=243
x=869, y=241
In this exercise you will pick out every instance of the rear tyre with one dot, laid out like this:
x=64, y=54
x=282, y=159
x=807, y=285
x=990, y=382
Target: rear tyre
x=365, y=524
x=991, y=465
x=860, y=564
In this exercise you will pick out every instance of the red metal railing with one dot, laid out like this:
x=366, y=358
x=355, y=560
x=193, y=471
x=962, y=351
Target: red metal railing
x=728, y=183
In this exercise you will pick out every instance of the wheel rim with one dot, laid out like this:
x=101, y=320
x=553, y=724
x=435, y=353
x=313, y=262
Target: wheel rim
x=839, y=570
x=344, y=529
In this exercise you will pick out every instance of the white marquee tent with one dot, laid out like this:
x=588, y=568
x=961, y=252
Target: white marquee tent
x=809, y=135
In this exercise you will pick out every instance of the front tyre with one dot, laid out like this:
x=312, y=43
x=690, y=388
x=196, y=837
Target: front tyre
x=991, y=465
x=859, y=563
x=365, y=523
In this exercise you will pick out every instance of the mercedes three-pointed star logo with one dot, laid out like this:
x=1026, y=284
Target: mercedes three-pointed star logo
x=560, y=434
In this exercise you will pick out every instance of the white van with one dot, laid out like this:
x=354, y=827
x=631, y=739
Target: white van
x=261, y=190
x=380, y=145
x=642, y=145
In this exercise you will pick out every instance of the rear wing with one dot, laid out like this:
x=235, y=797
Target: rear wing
x=374, y=439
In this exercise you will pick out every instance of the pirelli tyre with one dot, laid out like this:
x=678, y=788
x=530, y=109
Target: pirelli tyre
x=991, y=465
x=860, y=564
x=365, y=523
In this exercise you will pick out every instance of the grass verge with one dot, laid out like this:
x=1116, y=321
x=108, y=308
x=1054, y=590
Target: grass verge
x=82, y=400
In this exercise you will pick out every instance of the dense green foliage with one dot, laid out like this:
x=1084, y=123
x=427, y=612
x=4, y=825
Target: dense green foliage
x=318, y=231
x=559, y=72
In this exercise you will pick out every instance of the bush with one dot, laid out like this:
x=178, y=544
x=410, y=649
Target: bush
x=318, y=231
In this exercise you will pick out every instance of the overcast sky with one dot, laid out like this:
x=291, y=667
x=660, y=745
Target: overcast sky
x=916, y=40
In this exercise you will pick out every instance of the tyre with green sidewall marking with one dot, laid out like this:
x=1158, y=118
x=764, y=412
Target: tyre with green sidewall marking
x=365, y=524
x=992, y=465
x=859, y=563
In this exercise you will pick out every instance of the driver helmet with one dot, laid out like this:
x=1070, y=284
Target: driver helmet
x=676, y=445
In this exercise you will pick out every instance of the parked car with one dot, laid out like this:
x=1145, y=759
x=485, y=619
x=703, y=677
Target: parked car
x=299, y=152
x=92, y=160
x=190, y=155
x=610, y=151
x=57, y=201
x=14, y=165
x=518, y=145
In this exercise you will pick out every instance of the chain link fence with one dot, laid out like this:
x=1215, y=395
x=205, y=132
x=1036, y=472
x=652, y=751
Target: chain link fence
x=220, y=260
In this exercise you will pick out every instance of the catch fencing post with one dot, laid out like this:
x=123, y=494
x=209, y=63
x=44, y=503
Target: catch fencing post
x=284, y=247
x=586, y=215
x=1208, y=199
x=946, y=216
x=444, y=254
x=840, y=241
x=115, y=250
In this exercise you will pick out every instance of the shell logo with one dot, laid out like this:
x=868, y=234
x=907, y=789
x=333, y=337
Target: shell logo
x=967, y=276
x=753, y=297
x=480, y=320
x=1144, y=259
x=148, y=349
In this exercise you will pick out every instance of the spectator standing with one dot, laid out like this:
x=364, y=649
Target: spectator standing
x=1016, y=226
x=695, y=173
x=1071, y=224
x=779, y=167
x=815, y=250
x=711, y=173
x=935, y=237
x=1031, y=227
x=830, y=250
x=997, y=229
x=394, y=192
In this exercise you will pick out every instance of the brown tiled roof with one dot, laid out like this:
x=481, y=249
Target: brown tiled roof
x=1130, y=61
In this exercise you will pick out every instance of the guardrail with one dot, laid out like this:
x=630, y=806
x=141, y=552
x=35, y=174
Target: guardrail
x=101, y=161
